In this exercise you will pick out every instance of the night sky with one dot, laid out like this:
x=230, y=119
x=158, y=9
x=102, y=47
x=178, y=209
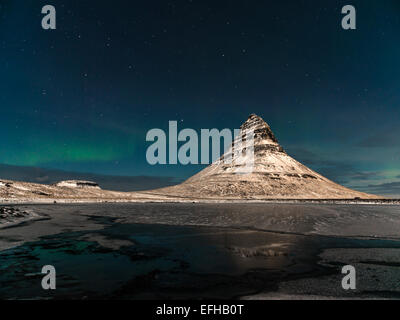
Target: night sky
x=82, y=97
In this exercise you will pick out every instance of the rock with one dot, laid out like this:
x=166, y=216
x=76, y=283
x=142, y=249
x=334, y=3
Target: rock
x=78, y=184
x=7, y=212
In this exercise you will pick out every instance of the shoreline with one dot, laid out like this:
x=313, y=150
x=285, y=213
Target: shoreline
x=11, y=202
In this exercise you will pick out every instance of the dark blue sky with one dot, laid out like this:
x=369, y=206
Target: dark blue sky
x=82, y=97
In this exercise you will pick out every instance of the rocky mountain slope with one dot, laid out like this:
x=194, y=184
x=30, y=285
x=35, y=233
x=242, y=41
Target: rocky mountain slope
x=274, y=175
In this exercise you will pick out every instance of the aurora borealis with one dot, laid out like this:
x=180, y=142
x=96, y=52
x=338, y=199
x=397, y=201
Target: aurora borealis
x=82, y=97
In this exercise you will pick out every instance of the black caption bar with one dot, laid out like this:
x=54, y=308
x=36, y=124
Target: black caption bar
x=197, y=309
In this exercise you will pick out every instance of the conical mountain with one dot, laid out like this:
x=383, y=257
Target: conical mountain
x=273, y=175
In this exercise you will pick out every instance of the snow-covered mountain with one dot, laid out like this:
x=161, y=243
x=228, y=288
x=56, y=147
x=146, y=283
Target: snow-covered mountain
x=274, y=174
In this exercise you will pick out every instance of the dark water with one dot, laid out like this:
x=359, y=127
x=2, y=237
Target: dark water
x=139, y=261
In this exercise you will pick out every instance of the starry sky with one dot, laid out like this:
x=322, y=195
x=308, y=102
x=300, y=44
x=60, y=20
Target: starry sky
x=81, y=98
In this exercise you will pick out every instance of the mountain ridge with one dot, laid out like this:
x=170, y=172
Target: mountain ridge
x=46, y=176
x=274, y=175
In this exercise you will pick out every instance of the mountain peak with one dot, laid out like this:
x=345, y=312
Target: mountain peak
x=262, y=131
x=254, y=118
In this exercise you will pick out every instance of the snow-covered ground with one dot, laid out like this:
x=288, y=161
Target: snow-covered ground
x=344, y=220
x=311, y=219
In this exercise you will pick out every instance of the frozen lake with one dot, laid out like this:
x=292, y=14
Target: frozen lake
x=177, y=251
